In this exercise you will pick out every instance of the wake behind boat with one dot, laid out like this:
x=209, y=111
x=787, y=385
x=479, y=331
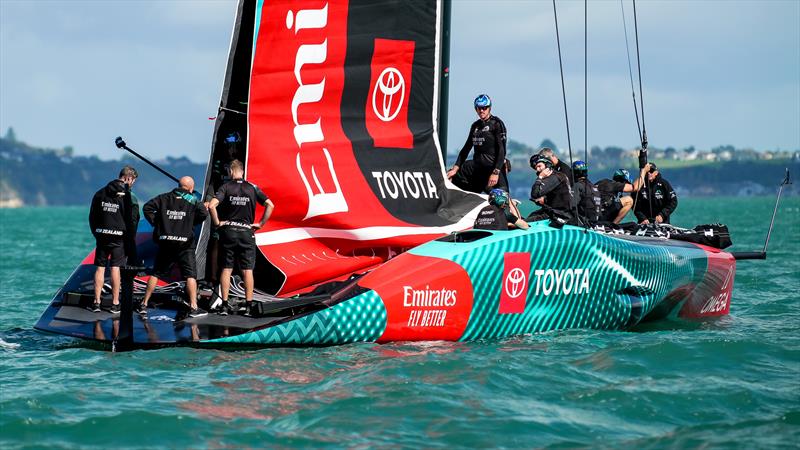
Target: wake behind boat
x=337, y=110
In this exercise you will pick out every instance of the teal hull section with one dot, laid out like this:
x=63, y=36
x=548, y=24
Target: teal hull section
x=510, y=283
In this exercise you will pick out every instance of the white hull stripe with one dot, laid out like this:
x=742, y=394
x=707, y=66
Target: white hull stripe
x=361, y=234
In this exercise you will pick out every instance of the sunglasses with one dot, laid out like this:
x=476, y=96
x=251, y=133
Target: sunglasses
x=481, y=108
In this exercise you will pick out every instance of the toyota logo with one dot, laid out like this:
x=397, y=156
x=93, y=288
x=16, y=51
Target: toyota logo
x=515, y=283
x=390, y=82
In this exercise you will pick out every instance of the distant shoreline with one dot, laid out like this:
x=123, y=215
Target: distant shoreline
x=31, y=176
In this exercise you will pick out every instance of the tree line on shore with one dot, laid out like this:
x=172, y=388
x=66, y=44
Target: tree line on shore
x=33, y=176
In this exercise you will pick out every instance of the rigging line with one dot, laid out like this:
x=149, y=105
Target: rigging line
x=639, y=67
x=585, y=81
x=641, y=104
x=630, y=71
x=633, y=96
x=566, y=115
x=563, y=89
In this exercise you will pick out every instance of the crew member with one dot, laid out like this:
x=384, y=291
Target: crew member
x=615, y=205
x=551, y=190
x=486, y=170
x=500, y=214
x=233, y=211
x=659, y=192
x=558, y=165
x=174, y=215
x=587, y=197
x=111, y=219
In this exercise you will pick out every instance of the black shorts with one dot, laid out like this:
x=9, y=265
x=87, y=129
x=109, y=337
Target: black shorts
x=609, y=213
x=171, y=253
x=109, y=247
x=237, y=244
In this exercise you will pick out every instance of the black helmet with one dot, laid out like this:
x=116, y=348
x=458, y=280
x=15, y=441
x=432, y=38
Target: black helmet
x=535, y=159
x=580, y=169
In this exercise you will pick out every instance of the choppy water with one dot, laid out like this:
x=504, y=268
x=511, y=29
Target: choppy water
x=733, y=382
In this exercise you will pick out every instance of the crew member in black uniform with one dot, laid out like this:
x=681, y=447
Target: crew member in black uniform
x=486, y=170
x=551, y=190
x=233, y=211
x=558, y=165
x=110, y=220
x=500, y=214
x=664, y=199
x=174, y=215
x=587, y=197
x=615, y=205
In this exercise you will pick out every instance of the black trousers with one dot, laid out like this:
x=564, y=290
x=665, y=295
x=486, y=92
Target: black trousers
x=474, y=178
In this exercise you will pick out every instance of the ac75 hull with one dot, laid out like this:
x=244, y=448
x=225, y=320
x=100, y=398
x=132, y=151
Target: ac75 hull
x=501, y=284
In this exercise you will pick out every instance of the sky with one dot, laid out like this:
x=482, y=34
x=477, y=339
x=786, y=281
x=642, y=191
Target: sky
x=79, y=73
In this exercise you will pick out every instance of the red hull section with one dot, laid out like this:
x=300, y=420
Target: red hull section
x=712, y=296
x=431, y=300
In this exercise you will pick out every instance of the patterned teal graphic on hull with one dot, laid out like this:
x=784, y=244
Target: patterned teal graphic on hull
x=577, y=279
x=359, y=319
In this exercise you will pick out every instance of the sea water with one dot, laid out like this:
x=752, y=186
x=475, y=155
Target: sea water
x=732, y=382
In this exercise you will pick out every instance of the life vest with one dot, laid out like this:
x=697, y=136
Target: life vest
x=588, y=199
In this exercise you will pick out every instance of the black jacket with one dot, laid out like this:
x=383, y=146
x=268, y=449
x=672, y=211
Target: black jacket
x=489, y=140
x=587, y=198
x=565, y=169
x=107, y=214
x=174, y=215
x=556, y=191
x=664, y=200
x=492, y=217
x=610, y=191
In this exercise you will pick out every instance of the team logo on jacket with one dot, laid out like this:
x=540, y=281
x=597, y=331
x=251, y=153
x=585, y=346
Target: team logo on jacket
x=386, y=114
x=514, y=289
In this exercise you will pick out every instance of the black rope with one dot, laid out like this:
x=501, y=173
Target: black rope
x=639, y=67
x=630, y=71
x=566, y=115
x=633, y=95
x=641, y=103
x=563, y=89
x=585, y=82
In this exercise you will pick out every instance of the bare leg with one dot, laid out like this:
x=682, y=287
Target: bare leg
x=99, y=280
x=115, y=283
x=191, y=291
x=225, y=283
x=248, y=285
x=627, y=203
x=151, y=286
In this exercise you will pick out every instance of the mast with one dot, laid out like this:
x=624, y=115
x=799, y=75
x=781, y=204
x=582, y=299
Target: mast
x=444, y=77
x=231, y=120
